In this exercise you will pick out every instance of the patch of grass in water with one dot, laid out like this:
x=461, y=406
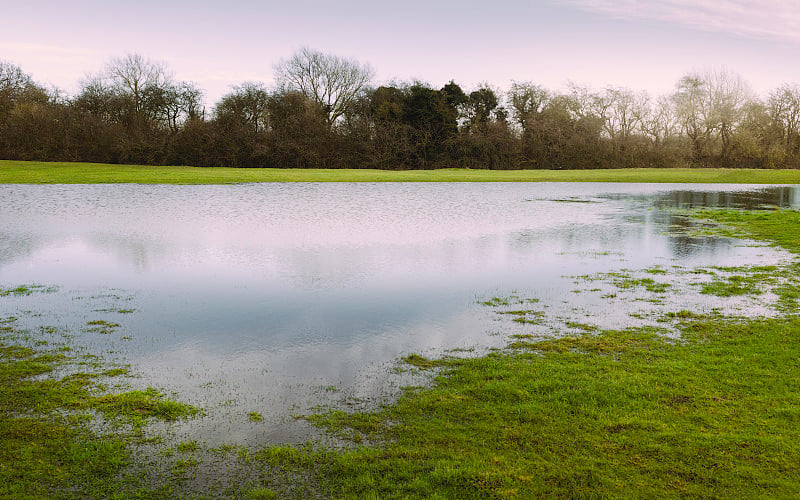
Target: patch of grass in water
x=581, y=326
x=731, y=286
x=24, y=290
x=422, y=362
x=102, y=326
x=115, y=310
x=647, y=283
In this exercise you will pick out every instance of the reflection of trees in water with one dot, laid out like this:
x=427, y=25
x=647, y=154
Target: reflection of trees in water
x=780, y=196
x=14, y=248
x=628, y=237
x=132, y=250
x=681, y=245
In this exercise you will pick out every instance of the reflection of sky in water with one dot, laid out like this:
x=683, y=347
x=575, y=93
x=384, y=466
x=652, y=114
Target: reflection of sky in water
x=263, y=293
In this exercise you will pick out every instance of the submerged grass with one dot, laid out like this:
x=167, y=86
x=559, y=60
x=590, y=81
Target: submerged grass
x=28, y=172
x=46, y=448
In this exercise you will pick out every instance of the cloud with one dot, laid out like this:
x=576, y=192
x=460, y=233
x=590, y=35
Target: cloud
x=773, y=19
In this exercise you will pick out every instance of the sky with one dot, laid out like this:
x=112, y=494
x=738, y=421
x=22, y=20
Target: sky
x=640, y=44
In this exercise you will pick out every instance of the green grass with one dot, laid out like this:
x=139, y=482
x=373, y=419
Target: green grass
x=22, y=172
x=779, y=227
x=615, y=414
x=46, y=448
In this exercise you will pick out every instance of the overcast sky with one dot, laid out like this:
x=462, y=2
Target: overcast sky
x=641, y=44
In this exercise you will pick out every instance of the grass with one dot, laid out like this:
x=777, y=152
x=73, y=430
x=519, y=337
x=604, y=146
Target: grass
x=26, y=172
x=622, y=412
x=47, y=450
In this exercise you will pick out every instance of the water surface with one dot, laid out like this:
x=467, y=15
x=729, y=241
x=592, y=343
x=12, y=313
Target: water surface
x=279, y=297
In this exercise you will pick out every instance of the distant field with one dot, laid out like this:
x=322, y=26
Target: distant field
x=25, y=172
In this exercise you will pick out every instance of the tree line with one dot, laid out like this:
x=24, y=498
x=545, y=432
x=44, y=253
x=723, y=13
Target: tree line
x=324, y=112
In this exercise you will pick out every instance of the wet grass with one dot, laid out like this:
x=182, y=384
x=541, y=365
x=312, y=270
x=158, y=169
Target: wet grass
x=21, y=172
x=613, y=414
x=47, y=447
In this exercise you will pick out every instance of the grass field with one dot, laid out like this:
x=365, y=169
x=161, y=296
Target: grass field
x=21, y=172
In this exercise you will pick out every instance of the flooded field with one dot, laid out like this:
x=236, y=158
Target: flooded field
x=276, y=299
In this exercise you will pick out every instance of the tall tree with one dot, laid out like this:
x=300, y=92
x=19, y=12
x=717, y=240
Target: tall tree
x=247, y=105
x=783, y=106
x=132, y=75
x=333, y=82
x=17, y=86
x=527, y=102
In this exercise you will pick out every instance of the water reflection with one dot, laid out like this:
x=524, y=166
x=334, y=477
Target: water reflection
x=263, y=294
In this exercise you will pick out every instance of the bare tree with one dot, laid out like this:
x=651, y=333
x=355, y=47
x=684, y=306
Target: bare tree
x=627, y=110
x=729, y=96
x=17, y=86
x=784, y=110
x=132, y=74
x=658, y=121
x=693, y=111
x=711, y=105
x=331, y=81
x=527, y=102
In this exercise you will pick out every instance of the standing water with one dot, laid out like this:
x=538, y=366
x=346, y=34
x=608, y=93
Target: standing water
x=278, y=298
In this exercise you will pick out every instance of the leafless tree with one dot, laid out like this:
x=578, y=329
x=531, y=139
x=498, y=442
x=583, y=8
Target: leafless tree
x=17, y=86
x=784, y=110
x=729, y=95
x=527, y=101
x=693, y=111
x=658, y=121
x=331, y=81
x=131, y=75
x=626, y=112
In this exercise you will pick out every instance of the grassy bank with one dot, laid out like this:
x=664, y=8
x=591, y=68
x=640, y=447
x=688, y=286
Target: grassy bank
x=18, y=172
x=597, y=414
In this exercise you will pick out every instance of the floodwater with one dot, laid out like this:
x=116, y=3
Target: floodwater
x=280, y=298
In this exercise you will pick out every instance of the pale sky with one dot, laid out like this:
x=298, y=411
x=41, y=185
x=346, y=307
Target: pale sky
x=641, y=44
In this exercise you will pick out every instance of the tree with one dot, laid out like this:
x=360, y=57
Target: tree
x=527, y=102
x=658, y=121
x=711, y=105
x=481, y=104
x=627, y=110
x=729, y=96
x=17, y=86
x=331, y=81
x=246, y=105
x=783, y=106
x=693, y=112
x=132, y=75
